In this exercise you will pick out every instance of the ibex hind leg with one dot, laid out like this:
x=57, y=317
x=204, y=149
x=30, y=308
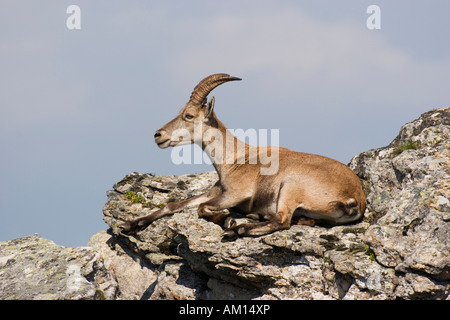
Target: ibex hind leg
x=334, y=213
x=345, y=211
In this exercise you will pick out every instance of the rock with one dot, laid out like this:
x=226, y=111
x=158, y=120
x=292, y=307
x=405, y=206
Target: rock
x=399, y=250
x=132, y=274
x=409, y=196
x=35, y=268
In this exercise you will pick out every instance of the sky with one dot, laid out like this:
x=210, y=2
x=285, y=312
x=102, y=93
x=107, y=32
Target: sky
x=79, y=107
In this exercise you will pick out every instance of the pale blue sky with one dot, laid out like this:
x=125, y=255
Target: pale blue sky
x=79, y=107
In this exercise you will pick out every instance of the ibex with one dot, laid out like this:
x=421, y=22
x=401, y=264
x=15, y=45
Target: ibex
x=315, y=187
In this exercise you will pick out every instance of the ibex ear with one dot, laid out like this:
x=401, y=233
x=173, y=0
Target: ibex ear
x=209, y=108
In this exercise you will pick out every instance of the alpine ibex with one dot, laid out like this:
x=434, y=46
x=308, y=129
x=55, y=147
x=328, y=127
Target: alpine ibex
x=316, y=188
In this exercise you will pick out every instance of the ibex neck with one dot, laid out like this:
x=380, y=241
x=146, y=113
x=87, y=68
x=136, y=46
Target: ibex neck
x=221, y=146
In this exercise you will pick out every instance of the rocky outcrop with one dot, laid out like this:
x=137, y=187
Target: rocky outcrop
x=408, y=186
x=400, y=250
x=35, y=268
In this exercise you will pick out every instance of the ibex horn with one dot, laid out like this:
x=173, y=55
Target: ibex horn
x=204, y=87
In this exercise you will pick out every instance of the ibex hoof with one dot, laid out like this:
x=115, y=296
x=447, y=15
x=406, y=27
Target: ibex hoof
x=253, y=216
x=126, y=227
x=229, y=235
x=130, y=227
x=229, y=223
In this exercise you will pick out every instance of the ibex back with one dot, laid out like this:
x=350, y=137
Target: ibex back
x=316, y=188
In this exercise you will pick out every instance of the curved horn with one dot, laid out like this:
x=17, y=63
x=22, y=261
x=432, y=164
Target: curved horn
x=204, y=87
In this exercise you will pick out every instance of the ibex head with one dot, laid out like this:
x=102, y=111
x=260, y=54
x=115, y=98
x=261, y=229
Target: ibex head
x=196, y=111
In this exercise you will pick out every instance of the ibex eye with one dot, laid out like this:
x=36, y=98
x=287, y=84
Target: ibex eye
x=189, y=117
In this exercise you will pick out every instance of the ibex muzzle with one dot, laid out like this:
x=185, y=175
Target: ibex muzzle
x=316, y=187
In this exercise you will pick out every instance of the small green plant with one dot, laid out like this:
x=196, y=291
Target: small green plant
x=434, y=142
x=135, y=197
x=406, y=146
x=139, y=198
x=370, y=253
x=226, y=262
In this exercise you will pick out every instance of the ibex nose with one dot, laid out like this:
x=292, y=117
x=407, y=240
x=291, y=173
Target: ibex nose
x=161, y=139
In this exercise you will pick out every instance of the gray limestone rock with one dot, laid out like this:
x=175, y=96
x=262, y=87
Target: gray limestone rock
x=34, y=268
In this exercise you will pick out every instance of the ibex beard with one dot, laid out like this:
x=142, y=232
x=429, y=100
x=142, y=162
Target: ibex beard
x=268, y=184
